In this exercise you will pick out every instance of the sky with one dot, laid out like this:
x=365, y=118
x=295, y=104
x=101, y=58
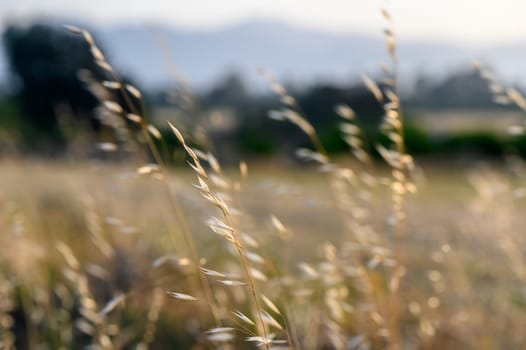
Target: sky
x=460, y=21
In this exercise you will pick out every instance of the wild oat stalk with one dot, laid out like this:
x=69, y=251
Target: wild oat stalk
x=402, y=167
x=184, y=96
x=158, y=170
x=227, y=230
x=91, y=321
x=503, y=95
x=494, y=195
x=353, y=216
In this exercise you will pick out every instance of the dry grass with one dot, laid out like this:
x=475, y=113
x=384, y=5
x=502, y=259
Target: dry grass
x=339, y=255
x=464, y=271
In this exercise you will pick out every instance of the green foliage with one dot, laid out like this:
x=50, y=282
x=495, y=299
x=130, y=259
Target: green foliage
x=518, y=299
x=517, y=145
x=331, y=138
x=260, y=140
x=478, y=142
x=10, y=120
x=9, y=114
x=252, y=141
x=417, y=141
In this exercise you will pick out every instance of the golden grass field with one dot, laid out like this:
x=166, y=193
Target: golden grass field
x=75, y=236
x=333, y=254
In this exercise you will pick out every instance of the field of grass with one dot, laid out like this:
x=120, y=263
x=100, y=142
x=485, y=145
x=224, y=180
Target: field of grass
x=331, y=254
x=91, y=252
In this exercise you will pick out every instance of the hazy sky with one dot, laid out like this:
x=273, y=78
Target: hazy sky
x=472, y=21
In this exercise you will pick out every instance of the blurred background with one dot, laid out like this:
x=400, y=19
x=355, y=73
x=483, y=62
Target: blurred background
x=204, y=56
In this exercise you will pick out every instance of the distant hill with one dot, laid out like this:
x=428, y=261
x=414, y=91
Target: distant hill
x=294, y=54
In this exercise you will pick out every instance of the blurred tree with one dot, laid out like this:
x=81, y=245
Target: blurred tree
x=461, y=90
x=231, y=91
x=318, y=103
x=46, y=60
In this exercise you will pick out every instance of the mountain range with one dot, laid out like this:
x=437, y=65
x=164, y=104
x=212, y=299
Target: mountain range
x=296, y=55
